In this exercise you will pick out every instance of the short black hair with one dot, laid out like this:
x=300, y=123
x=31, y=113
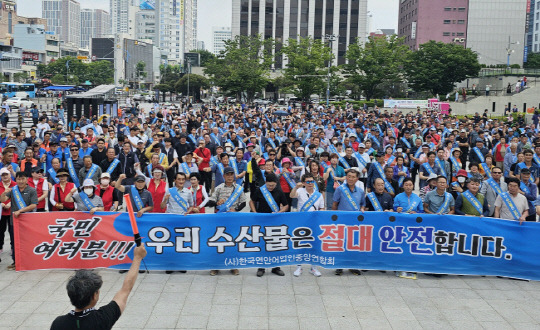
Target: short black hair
x=180, y=173
x=514, y=180
x=408, y=180
x=82, y=286
x=271, y=177
x=195, y=175
x=21, y=174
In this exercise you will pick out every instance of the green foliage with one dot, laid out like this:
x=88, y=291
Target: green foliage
x=379, y=62
x=206, y=56
x=533, y=61
x=307, y=68
x=98, y=72
x=196, y=83
x=170, y=74
x=140, y=69
x=164, y=88
x=244, y=66
x=21, y=77
x=437, y=67
x=358, y=104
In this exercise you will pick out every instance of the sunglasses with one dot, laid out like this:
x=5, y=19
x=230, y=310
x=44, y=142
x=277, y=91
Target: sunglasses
x=496, y=172
x=309, y=182
x=74, y=149
x=271, y=154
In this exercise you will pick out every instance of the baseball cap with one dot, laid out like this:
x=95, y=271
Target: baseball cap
x=105, y=175
x=361, y=145
x=37, y=169
x=139, y=178
x=62, y=172
x=479, y=140
x=228, y=169
x=88, y=183
x=462, y=173
x=4, y=171
x=432, y=176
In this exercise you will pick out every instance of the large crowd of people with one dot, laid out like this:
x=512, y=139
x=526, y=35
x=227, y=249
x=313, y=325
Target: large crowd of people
x=190, y=160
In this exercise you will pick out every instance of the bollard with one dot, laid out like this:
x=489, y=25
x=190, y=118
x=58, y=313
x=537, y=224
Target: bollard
x=524, y=107
x=493, y=107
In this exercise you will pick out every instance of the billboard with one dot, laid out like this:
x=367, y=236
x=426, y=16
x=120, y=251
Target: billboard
x=147, y=4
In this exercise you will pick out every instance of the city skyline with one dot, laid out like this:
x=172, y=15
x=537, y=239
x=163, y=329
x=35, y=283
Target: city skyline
x=217, y=13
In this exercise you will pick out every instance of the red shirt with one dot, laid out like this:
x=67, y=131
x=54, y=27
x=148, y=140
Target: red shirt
x=2, y=189
x=158, y=192
x=205, y=155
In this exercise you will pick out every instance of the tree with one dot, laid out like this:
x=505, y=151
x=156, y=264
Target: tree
x=381, y=60
x=100, y=73
x=533, y=61
x=306, y=67
x=74, y=70
x=244, y=66
x=196, y=83
x=58, y=79
x=164, y=88
x=436, y=67
x=21, y=77
x=140, y=69
x=170, y=74
x=206, y=56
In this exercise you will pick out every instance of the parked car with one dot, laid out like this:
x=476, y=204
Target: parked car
x=17, y=102
x=261, y=102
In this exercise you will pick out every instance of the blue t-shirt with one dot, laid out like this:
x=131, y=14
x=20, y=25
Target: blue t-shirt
x=339, y=172
x=358, y=196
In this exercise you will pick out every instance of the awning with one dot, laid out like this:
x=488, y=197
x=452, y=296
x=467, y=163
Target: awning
x=59, y=88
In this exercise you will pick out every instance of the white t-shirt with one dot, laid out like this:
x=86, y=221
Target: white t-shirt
x=303, y=196
x=521, y=205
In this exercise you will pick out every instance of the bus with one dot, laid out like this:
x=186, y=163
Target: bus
x=9, y=89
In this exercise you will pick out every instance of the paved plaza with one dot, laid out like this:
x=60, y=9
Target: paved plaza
x=195, y=300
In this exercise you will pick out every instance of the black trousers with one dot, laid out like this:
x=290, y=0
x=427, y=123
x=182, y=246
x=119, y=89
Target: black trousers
x=206, y=178
x=171, y=176
x=4, y=220
x=531, y=217
x=11, y=237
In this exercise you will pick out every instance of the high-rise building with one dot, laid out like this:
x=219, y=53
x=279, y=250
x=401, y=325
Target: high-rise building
x=95, y=23
x=63, y=18
x=533, y=27
x=8, y=18
x=201, y=45
x=491, y=28
x=123, y=14
x=174, y=28
x=145, y=21
x=219, y=36
x=346, y=20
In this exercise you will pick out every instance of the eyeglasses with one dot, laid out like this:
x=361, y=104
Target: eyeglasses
x=74, y=149
x=496, y=172
x=309, y=182
x=271, y=154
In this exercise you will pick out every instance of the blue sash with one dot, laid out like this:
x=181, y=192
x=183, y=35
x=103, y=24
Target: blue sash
x=380, y=130
x=536, y=159
x=510, y=204
x=221, y=168
x=361, y=160
x=185, y=168
x=289, y=180
x=137, y=198
x=370, y=151
x=348, y=197
x=402, y=178
x=443, y=171
x=269, y=199
x=230, y=201
x=387, y=184
x=413, y=204
x=522, y=166
x=474, y=201
x=486, y=169
x=113, y=165
x=444, y=207
x=178, y=199
x=375, y=140
x=326, y=167
x=192, y=138
x=479, y=154
x=213, y=160
x=404, y=140
x=234, y=165
x=72, y=173
x=214, y=137
x=17, y=196
x=524, y=188
x=149, y=170
x=494, y=186
x=428, y=168
x=172, y=133
x=91, y=172
x=299, y=161
x=86, y=201
x=341, y=159
x=375, y=202
x=272, y=143
x=52, y=173
x=418, y=152
x=390, y=160
x=161, y=157
x=311, y=200
x=455, y=163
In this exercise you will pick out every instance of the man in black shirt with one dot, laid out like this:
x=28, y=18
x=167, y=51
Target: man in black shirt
x=83, y=291
x=258, y=204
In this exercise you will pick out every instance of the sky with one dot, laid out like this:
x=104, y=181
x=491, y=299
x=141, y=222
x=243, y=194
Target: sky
x=218, y=13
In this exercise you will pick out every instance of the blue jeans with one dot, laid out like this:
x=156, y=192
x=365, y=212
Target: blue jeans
x=329, y=200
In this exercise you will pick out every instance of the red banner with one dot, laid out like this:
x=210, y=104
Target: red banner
x=69, y=240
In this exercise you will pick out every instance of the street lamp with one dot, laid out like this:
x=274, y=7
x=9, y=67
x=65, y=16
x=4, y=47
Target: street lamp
x=509, y=51
x=330, y=38
x=188, y=74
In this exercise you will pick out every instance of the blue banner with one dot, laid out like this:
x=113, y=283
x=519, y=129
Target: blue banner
x=445, y=244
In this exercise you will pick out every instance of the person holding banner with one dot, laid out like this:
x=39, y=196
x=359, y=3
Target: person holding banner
x=6, y=207
x=512, y=205
x=530, y=191
x=408, y=201
x=42, y=187
x=156, y=185
x=139, y=195
x=348, y=196
x=86, y=200
x=200, y=196
x=379, y=200
x=439, y=201
x=83, y=289
x=109, y=195
x=471, y=202
x=23, y=200
x=59, y=192
x=309, y=197
x=228, y=196
x=493, y=187
x=178, y=199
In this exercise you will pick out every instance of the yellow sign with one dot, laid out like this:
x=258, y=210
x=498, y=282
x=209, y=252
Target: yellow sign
x=82, y=57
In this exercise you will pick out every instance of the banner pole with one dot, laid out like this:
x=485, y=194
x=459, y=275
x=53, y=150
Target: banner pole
x=134, y=227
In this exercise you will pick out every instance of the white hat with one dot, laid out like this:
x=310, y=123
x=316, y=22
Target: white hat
x=4, y=171
x=87, y=183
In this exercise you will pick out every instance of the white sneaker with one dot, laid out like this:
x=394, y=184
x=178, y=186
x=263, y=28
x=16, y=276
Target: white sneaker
x=315, y=272
x=298, y=272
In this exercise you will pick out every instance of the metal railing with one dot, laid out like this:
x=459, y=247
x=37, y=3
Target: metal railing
x=489, y=72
